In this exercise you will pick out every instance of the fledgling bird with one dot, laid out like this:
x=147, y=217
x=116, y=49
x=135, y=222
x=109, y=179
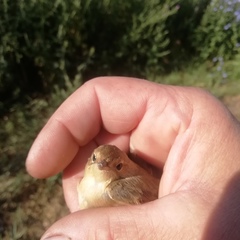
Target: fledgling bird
x=112, y=179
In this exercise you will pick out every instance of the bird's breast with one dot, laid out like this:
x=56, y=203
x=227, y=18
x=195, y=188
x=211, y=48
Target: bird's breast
x=91, y=191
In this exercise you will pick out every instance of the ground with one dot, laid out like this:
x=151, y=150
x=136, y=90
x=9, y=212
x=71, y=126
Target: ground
x=26, y=213
x=233, y=104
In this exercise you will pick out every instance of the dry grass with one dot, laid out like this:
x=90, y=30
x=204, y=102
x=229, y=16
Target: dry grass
x=29, y=206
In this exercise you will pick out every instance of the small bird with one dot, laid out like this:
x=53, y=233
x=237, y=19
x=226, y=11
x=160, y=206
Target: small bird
x=111, y=178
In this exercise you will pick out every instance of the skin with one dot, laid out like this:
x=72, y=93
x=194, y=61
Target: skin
x=112, y=179
x=184, y=131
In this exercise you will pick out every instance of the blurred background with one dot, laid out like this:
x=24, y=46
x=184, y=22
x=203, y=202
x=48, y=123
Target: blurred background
x=49, y=48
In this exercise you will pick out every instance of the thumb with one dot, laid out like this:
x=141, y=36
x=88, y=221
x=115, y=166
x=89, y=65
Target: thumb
x=161, y=219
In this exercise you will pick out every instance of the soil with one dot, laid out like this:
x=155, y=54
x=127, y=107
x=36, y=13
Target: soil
x=233, y=104
x=30, y=212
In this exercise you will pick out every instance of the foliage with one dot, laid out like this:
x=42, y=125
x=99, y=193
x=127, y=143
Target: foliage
x=20, y=126
x=49, y=42
x=44, y=42
x=219, y=32
x=41, y=44
x=182, y=27
x=131, y=35
x=221, y=79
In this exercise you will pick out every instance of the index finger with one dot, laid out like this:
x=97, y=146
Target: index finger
x=117, y=105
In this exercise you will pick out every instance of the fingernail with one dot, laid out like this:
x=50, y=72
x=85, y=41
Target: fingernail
x=57, y=238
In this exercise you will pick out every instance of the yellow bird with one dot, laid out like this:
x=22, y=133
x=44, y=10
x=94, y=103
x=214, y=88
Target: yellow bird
x=111, y=178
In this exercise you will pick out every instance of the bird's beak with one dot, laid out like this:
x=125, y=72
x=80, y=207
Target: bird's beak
x=102, y=164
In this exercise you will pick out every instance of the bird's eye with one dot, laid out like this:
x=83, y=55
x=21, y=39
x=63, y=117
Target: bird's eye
x=119, y=166
x=93, y=157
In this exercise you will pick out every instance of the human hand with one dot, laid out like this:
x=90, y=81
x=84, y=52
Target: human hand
x=184, y=131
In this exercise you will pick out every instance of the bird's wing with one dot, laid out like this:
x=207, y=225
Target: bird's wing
x=131, y=190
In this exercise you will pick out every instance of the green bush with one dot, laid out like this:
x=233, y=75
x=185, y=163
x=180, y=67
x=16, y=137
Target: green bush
x=41, y=45
x=129, y=37
x=20, y=126
x=219, y=32
x=45, y=42
x=182, y=28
